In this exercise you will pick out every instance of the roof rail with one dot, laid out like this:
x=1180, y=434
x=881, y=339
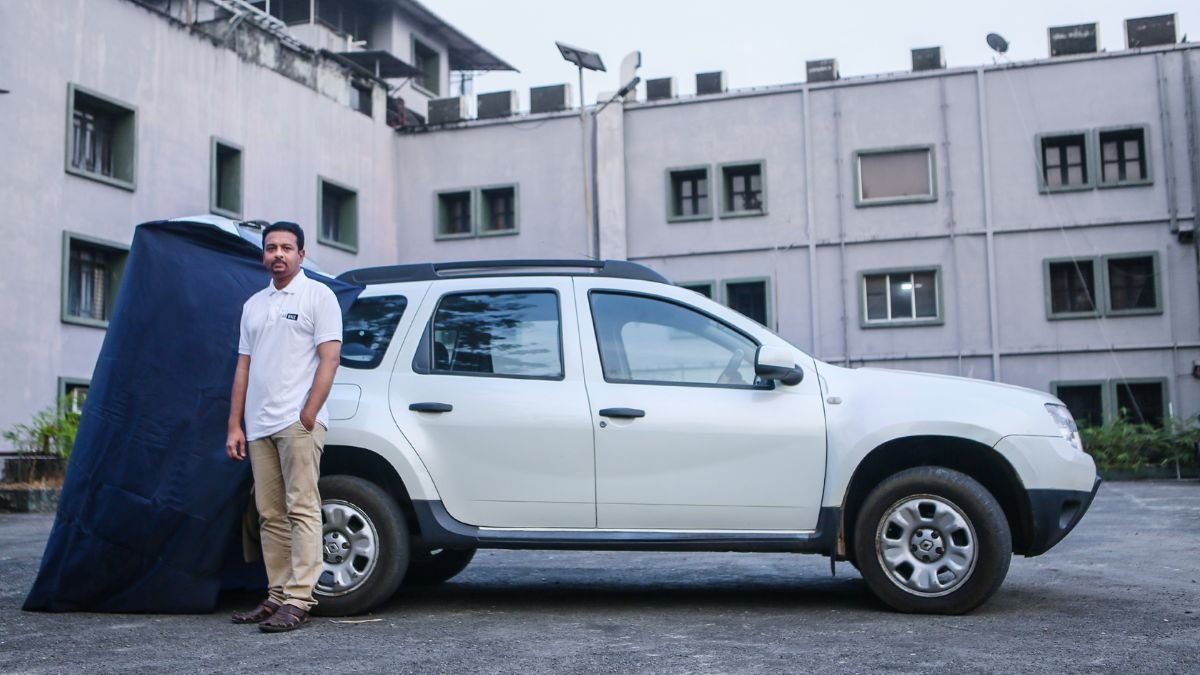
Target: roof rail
x=618, y=269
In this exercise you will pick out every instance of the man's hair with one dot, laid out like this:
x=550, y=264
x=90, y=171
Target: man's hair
x=285, y=226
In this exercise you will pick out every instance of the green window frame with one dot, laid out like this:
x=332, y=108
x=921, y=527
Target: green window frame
x=225, y=178
x=451, y=208
x=1115, y=156
x=1110, y=277
x=1164, y=401
x=896, y=275
x=861, y=199
x=1055, y=160
x=337, y=213
x=429, y=61
x=689, y=193
x=91, y=276
x=75, y=389
x=499, y=210
x=101, y=138
x=1103, y=278
x=739, y=195
x=1073, y=272
x=768, y=312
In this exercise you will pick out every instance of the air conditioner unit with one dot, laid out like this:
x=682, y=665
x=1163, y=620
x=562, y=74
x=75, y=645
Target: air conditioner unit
x=660, y=88
x=1150, y=31
x=551, y=98
x=496, y=104
x=448, y=110
x=824, y=70
x=1083, y=38
x=928, y=58
x=710, y=83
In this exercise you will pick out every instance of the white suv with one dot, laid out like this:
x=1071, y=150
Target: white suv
x=593, y=405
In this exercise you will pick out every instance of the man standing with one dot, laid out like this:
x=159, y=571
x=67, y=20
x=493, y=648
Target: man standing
x=287, y=355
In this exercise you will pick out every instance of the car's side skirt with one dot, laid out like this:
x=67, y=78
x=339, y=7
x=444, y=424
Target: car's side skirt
x=441, y=530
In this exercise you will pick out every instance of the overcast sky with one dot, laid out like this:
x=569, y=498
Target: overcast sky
x=766, y=42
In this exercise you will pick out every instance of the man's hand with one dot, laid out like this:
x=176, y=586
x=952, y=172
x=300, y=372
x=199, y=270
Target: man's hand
x=308, y=419
x=235, y=445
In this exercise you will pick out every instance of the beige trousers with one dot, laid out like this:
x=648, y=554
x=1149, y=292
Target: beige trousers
x=286, y=467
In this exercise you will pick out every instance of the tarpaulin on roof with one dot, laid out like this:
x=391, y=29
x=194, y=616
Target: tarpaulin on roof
x=151, y=505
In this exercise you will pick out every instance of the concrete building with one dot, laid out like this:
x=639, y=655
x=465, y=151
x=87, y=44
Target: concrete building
x=1030, y=223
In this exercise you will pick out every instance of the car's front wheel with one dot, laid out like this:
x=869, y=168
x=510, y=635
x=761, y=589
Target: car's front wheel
x=364, y=544
x=932, y=540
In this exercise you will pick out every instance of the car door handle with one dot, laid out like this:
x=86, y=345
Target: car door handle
x=431, y=406
x=625, y=413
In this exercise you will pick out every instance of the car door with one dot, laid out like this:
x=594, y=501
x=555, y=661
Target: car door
x=490, y=394
x=685, y=436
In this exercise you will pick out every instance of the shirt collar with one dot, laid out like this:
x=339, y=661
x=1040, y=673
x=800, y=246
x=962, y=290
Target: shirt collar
x=292, y=287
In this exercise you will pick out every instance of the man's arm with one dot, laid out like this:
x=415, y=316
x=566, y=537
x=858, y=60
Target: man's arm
x=330, y=354
x=235, y=443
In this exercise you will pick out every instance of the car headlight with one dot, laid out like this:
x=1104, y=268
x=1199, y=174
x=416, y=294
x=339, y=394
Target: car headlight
x=1065, y=423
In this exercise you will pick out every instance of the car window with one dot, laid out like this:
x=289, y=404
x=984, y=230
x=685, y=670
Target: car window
x=509, y=334
x=368, y=328
x=654, y=341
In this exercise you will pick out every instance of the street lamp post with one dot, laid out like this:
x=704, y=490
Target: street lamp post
x=583, y=58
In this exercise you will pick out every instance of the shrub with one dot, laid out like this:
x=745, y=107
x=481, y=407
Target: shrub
x=51, y=432
x=1124, y=445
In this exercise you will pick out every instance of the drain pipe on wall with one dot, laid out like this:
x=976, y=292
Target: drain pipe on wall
x=990, y=234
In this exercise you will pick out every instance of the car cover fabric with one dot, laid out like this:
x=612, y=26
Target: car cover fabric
x=151, y=506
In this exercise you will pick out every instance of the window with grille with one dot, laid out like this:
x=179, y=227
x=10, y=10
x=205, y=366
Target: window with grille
x=1085, y=400
x=743, y=191
x=226, y=179
x=749, y=298
x=1132, y=283
x=689, y=199
x=100, y=140
x=1072, y=287
x=499, y=210
x=454, y=214
x=1123, y=156
x=91, y=276
x=1064, y=161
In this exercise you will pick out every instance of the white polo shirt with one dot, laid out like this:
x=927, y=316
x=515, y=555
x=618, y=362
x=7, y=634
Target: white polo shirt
x=280, y=333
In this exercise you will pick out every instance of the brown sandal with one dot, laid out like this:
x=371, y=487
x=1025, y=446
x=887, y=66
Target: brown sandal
x=259, y=614
x=288, y=617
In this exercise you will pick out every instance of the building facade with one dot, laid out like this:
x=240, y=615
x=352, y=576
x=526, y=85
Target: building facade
x=1030, y=223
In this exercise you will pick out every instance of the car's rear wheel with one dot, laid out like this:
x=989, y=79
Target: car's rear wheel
x=364, y=543
x=932, y=540
x=427, y=567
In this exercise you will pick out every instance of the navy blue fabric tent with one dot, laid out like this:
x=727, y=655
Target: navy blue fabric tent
x=150, y=510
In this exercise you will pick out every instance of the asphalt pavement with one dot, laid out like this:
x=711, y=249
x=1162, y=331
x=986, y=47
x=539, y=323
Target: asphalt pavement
x=1120, y=594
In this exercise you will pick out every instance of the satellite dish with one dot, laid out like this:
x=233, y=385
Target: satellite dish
x=997, y=43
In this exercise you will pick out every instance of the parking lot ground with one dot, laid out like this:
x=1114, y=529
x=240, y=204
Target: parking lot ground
x=1120, y=594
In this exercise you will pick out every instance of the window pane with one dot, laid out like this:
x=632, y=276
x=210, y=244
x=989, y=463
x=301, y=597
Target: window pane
x=368, y=328
x=900, y=287
x=925, y=294
x=876, y=291
x=515, y=334
x=895, y=174
x=1133, y=149
x=1085, y=401
x=1131, y=283
x=647, y=340
x=1141, y=403
x=1075, y=175
x=749, y=298
x=1072, y=287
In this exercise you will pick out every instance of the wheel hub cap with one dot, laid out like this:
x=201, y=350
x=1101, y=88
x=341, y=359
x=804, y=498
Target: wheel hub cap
x=926, y=545
x=349, y=548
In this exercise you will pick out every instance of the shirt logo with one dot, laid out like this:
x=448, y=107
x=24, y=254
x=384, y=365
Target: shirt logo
x=291, y=317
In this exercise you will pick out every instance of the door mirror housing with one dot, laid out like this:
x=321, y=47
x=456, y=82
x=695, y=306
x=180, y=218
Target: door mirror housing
x=777, y=363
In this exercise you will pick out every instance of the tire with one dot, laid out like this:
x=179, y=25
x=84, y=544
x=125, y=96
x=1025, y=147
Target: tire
x=364, y=543
x=426, y=568
x=931, y=540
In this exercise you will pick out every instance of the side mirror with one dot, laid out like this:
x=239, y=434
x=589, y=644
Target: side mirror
x=776, y=363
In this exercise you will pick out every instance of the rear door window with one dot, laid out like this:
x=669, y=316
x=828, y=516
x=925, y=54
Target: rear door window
x=368, y=328
x=500, y=333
